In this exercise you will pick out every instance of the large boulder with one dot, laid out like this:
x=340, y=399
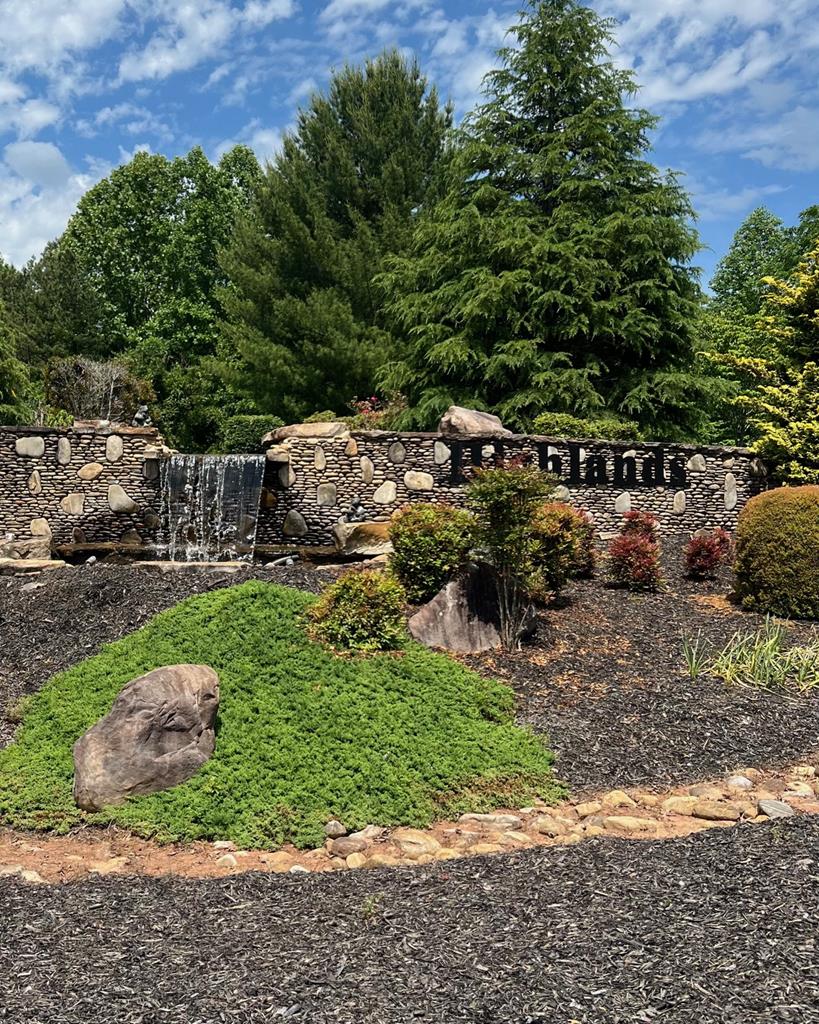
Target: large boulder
x=333, y=428
x=458, y=421
x=367, y=539
x=159, y=733
x=463, y=617
x=26, y=547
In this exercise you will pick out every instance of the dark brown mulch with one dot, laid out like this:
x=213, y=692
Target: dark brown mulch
x=51, y=621
x=606, y=680
x=716, y=928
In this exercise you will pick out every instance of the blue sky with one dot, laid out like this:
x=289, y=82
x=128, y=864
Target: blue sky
x=84, y=84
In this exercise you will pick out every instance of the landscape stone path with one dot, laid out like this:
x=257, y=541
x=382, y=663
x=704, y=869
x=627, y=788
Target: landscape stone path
x=751, y=795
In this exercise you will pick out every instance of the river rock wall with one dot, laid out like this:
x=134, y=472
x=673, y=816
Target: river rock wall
x=85, y=485
x=313, y=482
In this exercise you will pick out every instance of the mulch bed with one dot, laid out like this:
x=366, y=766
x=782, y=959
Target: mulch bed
x=606, y=680
x=56, y=619
x=718, y=927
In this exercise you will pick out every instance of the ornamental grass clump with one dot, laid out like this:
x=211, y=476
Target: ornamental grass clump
x=759, y=659
x=634, y=554
x=706, y=552
x=302, y=735
x=431, y=543
x=361, y=612
x=777, y=553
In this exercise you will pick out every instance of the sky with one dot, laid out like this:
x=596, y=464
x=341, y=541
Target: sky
x=85, y=84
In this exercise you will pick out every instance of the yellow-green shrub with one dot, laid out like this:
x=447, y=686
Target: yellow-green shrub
x=430, y=544
x=361, y=611
x=777, y=560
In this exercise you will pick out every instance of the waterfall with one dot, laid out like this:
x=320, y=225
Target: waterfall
x=210, y=506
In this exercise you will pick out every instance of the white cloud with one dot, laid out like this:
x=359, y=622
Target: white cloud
x=128, y=117
x=39, y=34
x=714, y=202
x=39, y=163
x=193, y=31
x=263, y=140
x=196, y=32
x=789, y=141
x=258, y=13
x=29, y=117
x=38, y=193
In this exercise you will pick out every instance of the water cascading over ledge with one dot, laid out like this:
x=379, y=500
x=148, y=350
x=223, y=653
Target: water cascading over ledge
x=210, y=506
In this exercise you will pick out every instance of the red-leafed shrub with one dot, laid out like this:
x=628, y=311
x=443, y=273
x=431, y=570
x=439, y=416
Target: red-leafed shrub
x=641, y=524
x=634, y=561
x=706, y=552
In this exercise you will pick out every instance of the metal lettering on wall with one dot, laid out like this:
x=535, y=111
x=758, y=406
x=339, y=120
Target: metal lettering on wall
x=656, y=469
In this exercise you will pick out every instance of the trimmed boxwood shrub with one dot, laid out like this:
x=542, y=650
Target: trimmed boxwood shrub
x=563, y=424
x=240, y=434
x=430, y=544
x=777, y=553
x=361, y=611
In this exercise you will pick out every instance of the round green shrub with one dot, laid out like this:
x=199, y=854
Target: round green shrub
x=777, y=553
x=240, y=434
x=361, y=611
x=430, y=544
x=565, y=540
x=563, y=424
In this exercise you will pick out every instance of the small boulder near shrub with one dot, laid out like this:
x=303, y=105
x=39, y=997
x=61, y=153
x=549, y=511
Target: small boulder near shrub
x=777, y=553
x=361, y=611
x=430, y=545
x=634, y=554
x=706, y=552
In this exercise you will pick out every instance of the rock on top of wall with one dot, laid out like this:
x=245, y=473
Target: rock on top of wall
x=335, y=428
x=457, y=421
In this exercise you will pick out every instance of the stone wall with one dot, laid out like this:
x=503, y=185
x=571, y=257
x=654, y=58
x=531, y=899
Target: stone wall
x=312, y=482
x=85, y=485
x=100, y=485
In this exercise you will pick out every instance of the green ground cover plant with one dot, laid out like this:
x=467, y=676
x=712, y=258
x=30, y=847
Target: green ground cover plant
x=302, y=734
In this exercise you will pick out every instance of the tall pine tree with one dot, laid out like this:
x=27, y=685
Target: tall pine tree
x=554, y=274
x=302, y=311
x=760, y=248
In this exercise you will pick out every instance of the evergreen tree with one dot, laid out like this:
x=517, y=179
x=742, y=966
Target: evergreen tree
x=301, y=309
x=14, y=379
x=554, y=274
x=760, y=248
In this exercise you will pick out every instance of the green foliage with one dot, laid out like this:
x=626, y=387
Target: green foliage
x=361, y=611
x=14, y=379
x=783, y=412
x=563, y=424
x=301, y=308
x=240, y=434
x=302, y=735
x=145, y=242
x=760, y=248
x=565, y=540
x=505, y=501
x=430, y=543
x=760, y=659
x=554, y=273
x=777, y=568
